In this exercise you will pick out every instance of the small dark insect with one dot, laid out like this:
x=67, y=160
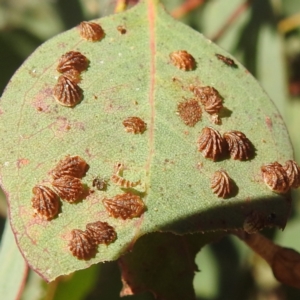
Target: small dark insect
x=134, y=125
x=211, y=144
x=182, y=60
x=82, y=245
x=121, y=29
x=45, y=202
x=100, y=184
x=190, y=112
x=70, y=165
x=118, y=180
x=91, y=31
x=275, y=177
x=72, y=60
x=125, y=206
x=209, y=97
x=66, y=92
x=239, y=145
x=68, y=188
x=221, y=184
x=101, y=232
x=293, y=173
x=228, y=61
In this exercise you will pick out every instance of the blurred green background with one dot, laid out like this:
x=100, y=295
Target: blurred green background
x=265, y=36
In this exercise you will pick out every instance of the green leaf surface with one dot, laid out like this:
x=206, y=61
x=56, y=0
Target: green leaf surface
x=13, y=269
x=164, y=264
x=131, y=75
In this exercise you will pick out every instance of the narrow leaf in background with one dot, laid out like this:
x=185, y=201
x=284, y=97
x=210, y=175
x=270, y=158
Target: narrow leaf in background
x=13, y=270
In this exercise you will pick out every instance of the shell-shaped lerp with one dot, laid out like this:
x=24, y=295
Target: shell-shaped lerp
x=239, y=145
x=82, y=245
x=210, y=143
x=221, y=184
x=293, y=173
x=91, y=31
x=70, y=165
x=190, y=112
x=45, y=202
x=67, y=92
x=72, y=60
x=101, y=232
x=254, y=222
x=183, y=60
x=73, y=76
x=275, y=177
x=209, y=97
x=124, y=206
x=68, y=188
x=134, y=125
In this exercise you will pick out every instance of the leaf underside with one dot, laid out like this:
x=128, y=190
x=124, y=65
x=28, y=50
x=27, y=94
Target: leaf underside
x=164, y=264
x=131, y=75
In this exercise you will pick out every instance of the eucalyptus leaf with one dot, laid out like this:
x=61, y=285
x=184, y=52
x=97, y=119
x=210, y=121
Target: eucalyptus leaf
x=131, y=75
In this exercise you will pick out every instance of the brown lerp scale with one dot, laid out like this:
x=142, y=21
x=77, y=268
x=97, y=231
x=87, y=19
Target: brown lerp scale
x=70, y=165
x=72, y=60
x=239, y=145
x=134, y=125
x=209, y=97
x=293, y=173
x=68, y=188
x=221, y=184
x=254, y=222
x=45, y=202
x=67, y=92
x=73, y=76
x=91, y=31
x=190, y=112
x=211, y=144
x=124, y=206
x=275, y=177
x=101, y=232
x=183, y=60
x=82, y=245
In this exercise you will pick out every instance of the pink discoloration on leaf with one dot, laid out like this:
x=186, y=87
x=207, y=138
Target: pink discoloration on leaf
x=43, y=100
x=61, y=126
x=66, y=235
x=89, y=154
x=78, y=125
x=62, y=45
x=22, y=162
x=269, y=122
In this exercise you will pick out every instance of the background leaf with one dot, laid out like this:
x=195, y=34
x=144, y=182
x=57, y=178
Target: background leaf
x=13, y=269
x=163, y=264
